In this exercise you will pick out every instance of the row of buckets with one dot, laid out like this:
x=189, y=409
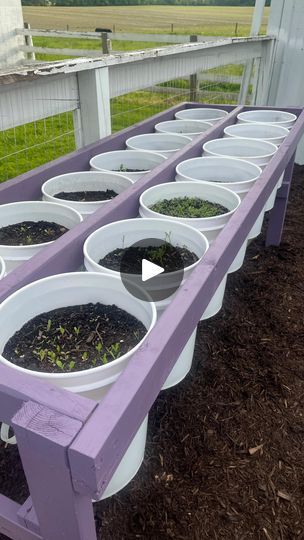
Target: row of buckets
x=224, y=174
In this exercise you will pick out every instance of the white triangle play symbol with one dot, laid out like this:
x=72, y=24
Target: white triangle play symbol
x=149, y=270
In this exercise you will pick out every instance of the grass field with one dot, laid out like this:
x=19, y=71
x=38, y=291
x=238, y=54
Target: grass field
x=146, y=19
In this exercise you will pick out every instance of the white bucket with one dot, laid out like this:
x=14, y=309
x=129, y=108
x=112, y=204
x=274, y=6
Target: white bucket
x=164, y=143
x=266, y=132
x=237, y=175
x=122, y=234
x=2, y=268
x=84, y=181
x=75, y=289
x=191, y=128
x=210, y=227
x=113, y=161
x=32, y=211
x=201, y=113
x=253, y=150
x=278, y=118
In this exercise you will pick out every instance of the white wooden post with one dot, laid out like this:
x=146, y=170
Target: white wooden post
x=93, y=119
x=286, y=22
x=10, y=20
x=255, y=28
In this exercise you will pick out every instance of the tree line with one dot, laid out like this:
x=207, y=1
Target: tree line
x=140, y=2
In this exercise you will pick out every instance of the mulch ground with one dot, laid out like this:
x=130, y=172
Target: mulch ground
x=224, y=457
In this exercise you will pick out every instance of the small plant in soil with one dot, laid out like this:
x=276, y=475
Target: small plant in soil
x=86, y=196
x=129, y=259
x=188, y=207
x=74, y=338
x=29, y=233
x=123, y=168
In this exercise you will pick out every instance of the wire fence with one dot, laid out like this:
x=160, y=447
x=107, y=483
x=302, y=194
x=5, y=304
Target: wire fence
x=24, y=147
x=214, y=86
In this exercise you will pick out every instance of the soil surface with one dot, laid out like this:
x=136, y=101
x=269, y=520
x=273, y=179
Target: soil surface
x=188, y=207
x=129, y=260
x=74, y=338
x=86, y=196
x=28, y=233
x=224, y=458
x=124, y=169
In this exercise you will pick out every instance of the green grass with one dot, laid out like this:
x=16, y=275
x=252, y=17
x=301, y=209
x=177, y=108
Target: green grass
x=33, y=144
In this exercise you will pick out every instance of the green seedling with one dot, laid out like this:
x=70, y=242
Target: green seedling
x=49, y=325
x=85, y=356
x=77, y=330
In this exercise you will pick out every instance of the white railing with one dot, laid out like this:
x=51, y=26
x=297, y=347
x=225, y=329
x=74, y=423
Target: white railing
x=105, y=39
x=86, y=86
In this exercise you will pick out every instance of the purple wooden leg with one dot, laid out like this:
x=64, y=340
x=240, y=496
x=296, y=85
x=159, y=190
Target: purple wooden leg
x=277, y=214
x=44, y=437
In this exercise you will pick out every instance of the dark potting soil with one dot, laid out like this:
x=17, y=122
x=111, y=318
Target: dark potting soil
x=188, y=207
x=28, y=233
x=74, y=338
x=170, y=257
x=86, y=196
x=123, y=169
x=224, y=456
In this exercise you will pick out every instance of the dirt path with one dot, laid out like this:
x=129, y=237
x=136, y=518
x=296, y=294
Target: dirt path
x=225, y=458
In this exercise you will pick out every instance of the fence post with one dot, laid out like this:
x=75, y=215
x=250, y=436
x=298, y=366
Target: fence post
x=255, y=28
x=193, y=78
x=93, y=121
x=104, y=43
x=29, y=42
x=44, y=437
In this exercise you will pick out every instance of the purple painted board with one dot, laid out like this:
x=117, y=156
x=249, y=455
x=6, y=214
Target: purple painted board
x=9, y=523
x=43, y=438
x=95, y=454
x=66, y=253
x=15, y=388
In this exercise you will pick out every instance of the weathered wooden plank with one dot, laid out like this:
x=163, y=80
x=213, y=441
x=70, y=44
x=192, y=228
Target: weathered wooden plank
x=43, y=437
x=63, y=52
x=113, y=36
x=9, y=523
x=57, y=33
x=95, y=454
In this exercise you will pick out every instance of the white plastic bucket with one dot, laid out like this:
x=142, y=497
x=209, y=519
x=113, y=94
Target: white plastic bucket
x=235, y=174
x=253, y=150
x=32, y=211
x=184, y=362
x=75, y=289
x=201, y=113
x=164, y=143
x=125, y=233
x=210, y=227
x=278, y=118
x=84, y=181
x=266, y=132
x=190, y=128
x=113, y=161
x=2, y=268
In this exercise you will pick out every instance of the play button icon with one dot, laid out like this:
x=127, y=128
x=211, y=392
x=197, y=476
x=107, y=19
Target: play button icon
x=149, y=270
x=151, y=266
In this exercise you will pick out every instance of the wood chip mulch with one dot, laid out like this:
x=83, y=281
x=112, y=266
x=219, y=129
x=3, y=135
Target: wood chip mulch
x=225, y=452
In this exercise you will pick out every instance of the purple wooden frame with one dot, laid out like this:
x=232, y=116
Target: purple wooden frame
x=70, y=446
